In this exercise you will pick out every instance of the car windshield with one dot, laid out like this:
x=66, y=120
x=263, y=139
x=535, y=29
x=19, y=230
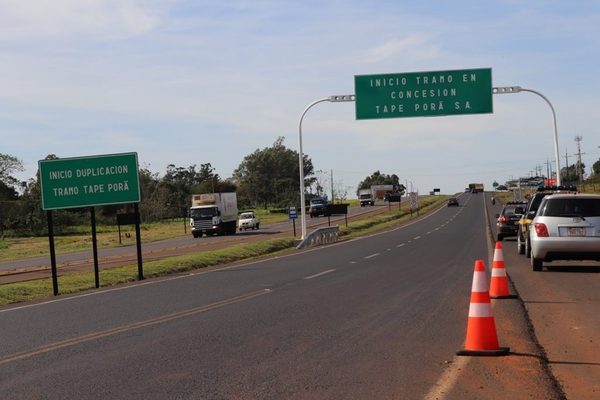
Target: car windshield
x=207, y=212
x=571, y=207
x=247, y=216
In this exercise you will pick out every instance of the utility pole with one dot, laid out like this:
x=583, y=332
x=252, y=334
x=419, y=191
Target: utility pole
x=567, y=161
x=332, y=196
x=578, y=140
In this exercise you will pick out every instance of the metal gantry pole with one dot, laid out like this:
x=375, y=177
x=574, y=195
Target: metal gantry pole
x=334, y=99
x=517, y=89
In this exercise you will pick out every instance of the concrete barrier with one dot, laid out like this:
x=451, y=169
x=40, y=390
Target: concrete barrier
x=320, y=236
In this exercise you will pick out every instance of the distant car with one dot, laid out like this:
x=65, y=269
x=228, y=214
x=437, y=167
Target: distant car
x=317, y=207
x=566, y=227
x=453, y=201
x=508, y=220
x=247, y=220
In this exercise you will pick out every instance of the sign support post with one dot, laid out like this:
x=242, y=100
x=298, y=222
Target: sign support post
x=95, y=247
x=52, y=252
x=138, y=241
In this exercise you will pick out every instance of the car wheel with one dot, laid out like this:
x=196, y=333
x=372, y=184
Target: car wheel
x=536, y=264
x=257, y=226
x=520, y=245
x=527, y=247
x=499, y=237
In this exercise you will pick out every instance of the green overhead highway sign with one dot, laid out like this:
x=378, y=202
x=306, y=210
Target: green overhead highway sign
x=424, y=94
x=89, y=181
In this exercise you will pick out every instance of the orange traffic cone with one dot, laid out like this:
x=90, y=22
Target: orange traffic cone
x=482, y=339
x=499, y=282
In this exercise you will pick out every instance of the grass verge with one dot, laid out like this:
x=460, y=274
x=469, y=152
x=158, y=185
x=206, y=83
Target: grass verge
x=73, y=283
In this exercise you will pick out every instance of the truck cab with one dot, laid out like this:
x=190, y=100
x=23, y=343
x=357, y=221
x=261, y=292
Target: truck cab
x=365, y=197
x=213, y=213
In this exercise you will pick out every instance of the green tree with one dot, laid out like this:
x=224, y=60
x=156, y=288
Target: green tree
x=271, y=176
x=571, y=172
x=181, y=182
x=8, y=166
x=596, y=168
x=377, y=178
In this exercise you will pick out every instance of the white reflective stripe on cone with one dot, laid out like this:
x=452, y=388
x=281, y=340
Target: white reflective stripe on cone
x=498, y=256
x=480, y=310
x=479, y=282
x=498, y=272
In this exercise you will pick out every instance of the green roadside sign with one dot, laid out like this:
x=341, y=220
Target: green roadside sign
x=424, y=94
x=89, y=181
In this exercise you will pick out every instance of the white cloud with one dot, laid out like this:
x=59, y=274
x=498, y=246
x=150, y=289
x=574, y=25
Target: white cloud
x=412, y=46
x=102, y=19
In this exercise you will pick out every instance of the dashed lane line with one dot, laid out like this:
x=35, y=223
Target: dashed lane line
x=320, y=274
x=372, y=255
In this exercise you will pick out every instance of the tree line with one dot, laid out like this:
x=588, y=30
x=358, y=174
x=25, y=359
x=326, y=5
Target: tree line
x=266, y=178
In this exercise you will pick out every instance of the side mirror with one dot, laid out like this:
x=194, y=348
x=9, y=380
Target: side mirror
x=530, y=215
x=497, y=215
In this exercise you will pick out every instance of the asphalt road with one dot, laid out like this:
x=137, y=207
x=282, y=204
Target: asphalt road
x=373, y=318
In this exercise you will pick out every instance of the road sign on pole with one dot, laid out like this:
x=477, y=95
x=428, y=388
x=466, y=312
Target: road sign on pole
x=89, y=181
x=424, y=94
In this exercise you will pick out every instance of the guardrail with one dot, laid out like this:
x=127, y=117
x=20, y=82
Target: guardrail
x=320, y=236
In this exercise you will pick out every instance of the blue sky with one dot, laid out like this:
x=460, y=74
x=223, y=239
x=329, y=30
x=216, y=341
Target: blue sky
x=192, y=82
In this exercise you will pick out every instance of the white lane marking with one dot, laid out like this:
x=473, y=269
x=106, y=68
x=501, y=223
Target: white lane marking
x=417, y=238
x=320, y=274
x=401, y=244
x=371, y=256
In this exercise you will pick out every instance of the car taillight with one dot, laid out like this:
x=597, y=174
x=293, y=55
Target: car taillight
x=541, y=230
x=503, y=219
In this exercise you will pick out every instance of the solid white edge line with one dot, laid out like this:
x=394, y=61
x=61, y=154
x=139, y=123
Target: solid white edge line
x=441, y=389
x=444, y=385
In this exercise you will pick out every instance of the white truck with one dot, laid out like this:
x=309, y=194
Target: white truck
x=213, y=213
x=365, y=197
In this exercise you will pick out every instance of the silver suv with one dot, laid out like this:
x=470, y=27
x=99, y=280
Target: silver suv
x=566, y=227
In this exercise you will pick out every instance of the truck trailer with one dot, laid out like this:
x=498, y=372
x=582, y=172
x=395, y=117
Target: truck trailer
x=213, y=213
x=476, y=187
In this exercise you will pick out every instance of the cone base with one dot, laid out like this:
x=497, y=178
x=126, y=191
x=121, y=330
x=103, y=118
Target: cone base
x=501, y=351
x=506, y=296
